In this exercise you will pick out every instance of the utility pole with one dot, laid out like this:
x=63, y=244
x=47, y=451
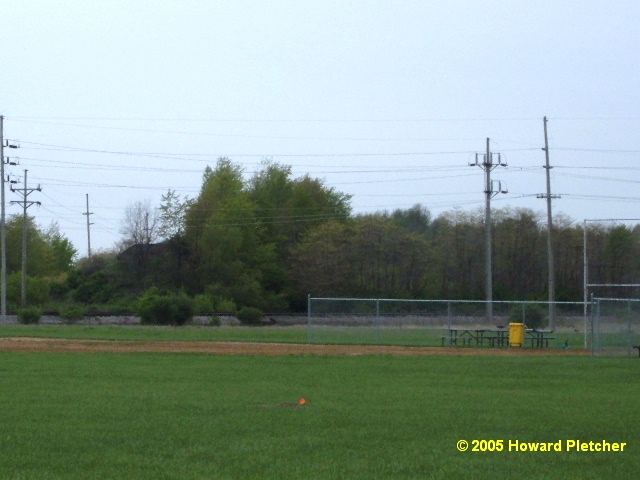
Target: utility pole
x=491, y=190
x=3, y=223
x=3, y=232
x=88, y=213
x=25, y=204
x=548, y=196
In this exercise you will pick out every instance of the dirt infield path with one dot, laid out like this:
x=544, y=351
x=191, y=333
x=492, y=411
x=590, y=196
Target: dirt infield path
x=28, y=344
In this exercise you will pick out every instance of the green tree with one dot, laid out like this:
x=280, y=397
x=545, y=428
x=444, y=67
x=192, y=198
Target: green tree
x=368, y=256
x=224, y=235
x=519, y=255
x=286, y=209
x=416, y=219
x=459, y=255
x=62, y=251
x=49, y=253
x=173, y=210
x=322, y=262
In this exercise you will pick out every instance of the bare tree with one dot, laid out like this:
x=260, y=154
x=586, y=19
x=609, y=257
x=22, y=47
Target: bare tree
x=140, y=225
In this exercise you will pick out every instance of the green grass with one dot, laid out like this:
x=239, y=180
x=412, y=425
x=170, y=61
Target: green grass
x=294, y=334
x=148, y=333
x=185, y=416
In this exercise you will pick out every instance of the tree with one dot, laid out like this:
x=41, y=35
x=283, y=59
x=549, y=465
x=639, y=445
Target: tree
x=519, y=255
x=622, y=246
x=48, y=252
x=63, y=252
x=459, y=253
x=240, y=234
x=321, y=261
x=287, y=208
x=140, y=225
x=416, y=219
x=568, y=259
x=224, y=237
x=368, y=256
x=173, y=210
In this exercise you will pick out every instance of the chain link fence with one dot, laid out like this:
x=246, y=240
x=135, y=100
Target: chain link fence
x=429, y=322
x=616, y=326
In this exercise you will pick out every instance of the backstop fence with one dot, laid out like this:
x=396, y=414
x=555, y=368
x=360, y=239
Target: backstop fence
x=615, y=326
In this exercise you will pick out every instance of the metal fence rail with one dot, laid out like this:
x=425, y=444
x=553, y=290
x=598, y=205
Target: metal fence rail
x=422, y=322
x=616, y=326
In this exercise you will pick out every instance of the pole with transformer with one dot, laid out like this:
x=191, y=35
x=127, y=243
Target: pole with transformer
x=3, y=231
x=490, y=191
x=25, y=205
x=3, y=223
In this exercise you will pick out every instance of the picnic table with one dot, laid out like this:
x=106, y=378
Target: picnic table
x=465, y=336
x=539, y=338
x=494, y=337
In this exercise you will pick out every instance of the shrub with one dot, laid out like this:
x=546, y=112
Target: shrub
x=203, y=303
x=29, y=315
x=72, y=313
x=226, y=305
x=215, y=321
x=250, y=316
x=37, y=290
x=535, y=315
x=168, y=309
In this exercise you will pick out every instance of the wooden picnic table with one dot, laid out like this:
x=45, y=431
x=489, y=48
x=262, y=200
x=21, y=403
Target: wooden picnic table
x=495, y=337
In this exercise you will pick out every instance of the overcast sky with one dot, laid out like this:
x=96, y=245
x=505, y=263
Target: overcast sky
x=385, y=100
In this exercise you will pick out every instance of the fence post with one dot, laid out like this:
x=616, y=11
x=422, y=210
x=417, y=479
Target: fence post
x=595, y=327
x=309, y=318
x=629, y=346
x=377, y=320
x=449, y=319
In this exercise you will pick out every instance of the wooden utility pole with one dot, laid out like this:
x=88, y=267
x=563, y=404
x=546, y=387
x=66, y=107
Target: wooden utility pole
x=3, y=224
x=88, y=213
x=3, y=231
x=548, y=196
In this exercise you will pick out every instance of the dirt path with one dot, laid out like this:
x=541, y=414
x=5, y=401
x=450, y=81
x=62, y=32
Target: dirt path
x=25, y=344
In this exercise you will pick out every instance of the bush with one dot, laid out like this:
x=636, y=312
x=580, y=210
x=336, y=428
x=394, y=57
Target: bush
x=37, y=290
x=215, y=321
x=535, y=316
x=29, y=315
x=168, y=309
x=250, y=316
x=72, y=313
x=203, y=304
x=226, y=305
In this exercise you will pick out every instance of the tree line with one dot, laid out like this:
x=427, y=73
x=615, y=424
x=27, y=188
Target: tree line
x=270, y=240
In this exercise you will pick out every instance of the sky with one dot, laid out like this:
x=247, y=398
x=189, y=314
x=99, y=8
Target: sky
x=385, y=100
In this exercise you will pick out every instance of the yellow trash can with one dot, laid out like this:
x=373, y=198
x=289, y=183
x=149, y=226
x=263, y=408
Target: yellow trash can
x=516, y=334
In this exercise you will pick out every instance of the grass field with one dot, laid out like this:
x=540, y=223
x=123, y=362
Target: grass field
x=295, y=334
x=189, y=416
